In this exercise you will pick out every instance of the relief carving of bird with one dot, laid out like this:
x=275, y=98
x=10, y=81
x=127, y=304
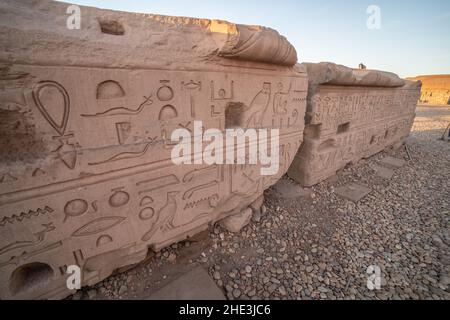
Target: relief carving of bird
x=258, y=107
x=165, y=216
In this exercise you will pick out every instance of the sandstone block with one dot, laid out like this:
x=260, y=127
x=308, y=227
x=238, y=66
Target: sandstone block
x=351, y=114
x=393, y=162
x=353, y=192
x=86, y=174
x=287, y=189
x=236, y=222
x=257, y=204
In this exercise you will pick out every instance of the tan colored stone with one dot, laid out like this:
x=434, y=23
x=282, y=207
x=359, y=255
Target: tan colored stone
x=86, y=176
x=257, y=204
x=353, y=192
x=393, y=162
x=236, y=222
x=286, y=189
x=351, y=114
x=143, y=40
x=334, y=74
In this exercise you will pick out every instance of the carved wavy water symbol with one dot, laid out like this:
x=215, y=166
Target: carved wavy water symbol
x=61, y=126
x=25, y=215
x=210, y=200
x=40, y=236
x=98, y=225
x=122, y=110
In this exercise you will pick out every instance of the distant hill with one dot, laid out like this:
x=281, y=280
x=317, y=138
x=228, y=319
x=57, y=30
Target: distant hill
x=435, y=88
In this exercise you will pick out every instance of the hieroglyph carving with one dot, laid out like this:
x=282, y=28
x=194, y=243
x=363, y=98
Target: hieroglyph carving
x=370, y=111
x=89, y=179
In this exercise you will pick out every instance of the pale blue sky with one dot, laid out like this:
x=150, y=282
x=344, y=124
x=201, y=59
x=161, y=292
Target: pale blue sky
x=414, y=37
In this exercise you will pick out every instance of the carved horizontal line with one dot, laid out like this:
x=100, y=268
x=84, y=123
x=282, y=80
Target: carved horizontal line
x=289, y=73
x=39, y=191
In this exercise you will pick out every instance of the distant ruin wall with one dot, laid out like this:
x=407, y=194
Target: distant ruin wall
x=351, y=114
x=435, y=89
x=86, y=176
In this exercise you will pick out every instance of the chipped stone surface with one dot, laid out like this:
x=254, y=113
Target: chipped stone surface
x=353, y=192
x=351, y=114
x=92, y=183
x=236, y=222
x=289, y=190
x=194, y=285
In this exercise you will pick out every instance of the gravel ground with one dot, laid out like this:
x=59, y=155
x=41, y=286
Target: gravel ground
x=319, y=246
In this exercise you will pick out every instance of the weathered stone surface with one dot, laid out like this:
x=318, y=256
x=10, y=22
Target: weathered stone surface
x=353, y=192
x=290, y=190
x=435, y=89
x=236, y=222
x=351, y=114
x=143, y=40
x=393, y=162
x=86, y=176
x=257, y=204
x=326, y=73
x=383, y=172
x=194, y=285
x=256, y=207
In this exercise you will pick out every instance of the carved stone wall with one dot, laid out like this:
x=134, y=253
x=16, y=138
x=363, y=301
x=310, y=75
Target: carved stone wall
x=86, y=176
x=351, y=114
